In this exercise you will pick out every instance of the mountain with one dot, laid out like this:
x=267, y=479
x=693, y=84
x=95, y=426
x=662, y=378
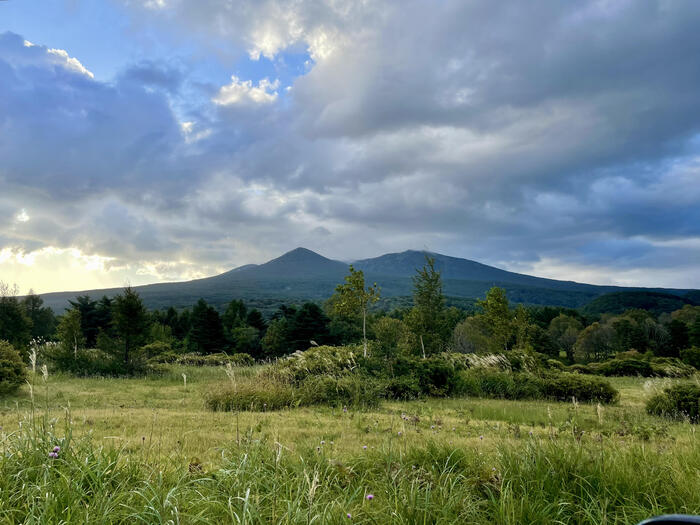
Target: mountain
x=303, y=275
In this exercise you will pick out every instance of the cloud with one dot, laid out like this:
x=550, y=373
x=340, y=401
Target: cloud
x=535, y=137
x=243, y=92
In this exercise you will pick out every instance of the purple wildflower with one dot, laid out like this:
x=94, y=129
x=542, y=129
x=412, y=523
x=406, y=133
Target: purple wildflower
x=53, y=455
x=57, y=449
x=481, y=437
x=349, y=516
x=370, y=497
x=364, y=447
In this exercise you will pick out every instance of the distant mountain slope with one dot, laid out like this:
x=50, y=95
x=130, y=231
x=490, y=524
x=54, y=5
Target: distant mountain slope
x=618, y=302
x=303, y=275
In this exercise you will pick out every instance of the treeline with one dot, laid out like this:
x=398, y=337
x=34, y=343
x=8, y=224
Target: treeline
x=119, y=335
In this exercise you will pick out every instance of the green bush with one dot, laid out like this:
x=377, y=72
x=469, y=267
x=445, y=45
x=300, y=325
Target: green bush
x=565, y=386
x=691, y=356
x=555, y=364
x=677, y=402
x=12, y=369
x=89, y=362
x=321, y=360
x=580, y=369
x=671, y=367
x=220, y=359
x=626, y=367
x=261, y=394
x=350, y=390
x=156, y=349
x=402, y=388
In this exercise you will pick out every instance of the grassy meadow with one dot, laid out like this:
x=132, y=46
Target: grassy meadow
x=147, y=450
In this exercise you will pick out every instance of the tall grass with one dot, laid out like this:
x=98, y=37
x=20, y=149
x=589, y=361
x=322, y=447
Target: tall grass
x=572, y=478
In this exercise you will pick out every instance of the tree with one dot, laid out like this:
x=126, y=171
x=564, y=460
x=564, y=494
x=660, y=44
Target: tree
x=563, y=331
x=309, y=324
x=42, y=319
x=207, y=332
x=256, y=320
x=353, y=299
x=70, y=333
x=498, y=317
x=275, y=341
x=595, y=342
x=680, y=338
x=88, y=318
x=427, y=317
x=15, y=326
x=131, y=322
x=235, y=316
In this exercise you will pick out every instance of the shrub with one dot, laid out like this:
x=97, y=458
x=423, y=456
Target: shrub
x=691, y=356
x=321, y=360
x=555, y=364
x=626, y=367
x=677, y=402
x=89, y=362
x=164, y=358
x=220, y=359
x=565, y=386
x=12, y=369
x=403, y=388
x=671, y=367
x=580, y=369
x=260, y=394
x=352, y=390
x=155, y=349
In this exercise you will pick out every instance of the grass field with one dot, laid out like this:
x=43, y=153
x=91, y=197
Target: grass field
x=146, y=450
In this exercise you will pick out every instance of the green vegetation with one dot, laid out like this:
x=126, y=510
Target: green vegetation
x=336, y=412
x=147, y=450
x=677, y=402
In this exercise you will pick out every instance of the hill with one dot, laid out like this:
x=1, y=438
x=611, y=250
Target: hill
x=618, y=302
x=303, y=275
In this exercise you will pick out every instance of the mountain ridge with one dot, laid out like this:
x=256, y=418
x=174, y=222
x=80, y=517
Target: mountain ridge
x=302, y=274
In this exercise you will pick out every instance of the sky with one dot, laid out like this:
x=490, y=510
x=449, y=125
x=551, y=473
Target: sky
x=160, y=140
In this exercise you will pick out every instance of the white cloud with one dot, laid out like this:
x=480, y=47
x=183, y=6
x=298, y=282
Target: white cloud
x=243, y=92
x=69, y=62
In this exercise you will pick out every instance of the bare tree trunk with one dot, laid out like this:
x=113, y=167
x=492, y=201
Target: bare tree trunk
x=422, y=345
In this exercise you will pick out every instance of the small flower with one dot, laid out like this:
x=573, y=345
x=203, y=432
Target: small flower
x=370, y=497
x=481, y=437
x=494, y=469
x=432, y=427
x=53, y=455
x=318, y=449
x=56, y=448
x=531, y=432
x=345, y=408
x=323, y=442
x=364, y=447
x=349, y=516
x=400, y=433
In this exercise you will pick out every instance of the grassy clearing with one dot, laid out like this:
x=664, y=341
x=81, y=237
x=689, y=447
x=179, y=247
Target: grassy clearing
x=147, y=449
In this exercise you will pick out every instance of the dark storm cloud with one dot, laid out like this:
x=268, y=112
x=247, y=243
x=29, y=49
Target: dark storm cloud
x=509, y=132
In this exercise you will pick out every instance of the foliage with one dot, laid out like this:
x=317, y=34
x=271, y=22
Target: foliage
x=207, y=333
x=12, y=368
x=15, y=326
x=352, y=299
x=691, y=356
x=677, y=402
x=194, y=359
x=131, y=321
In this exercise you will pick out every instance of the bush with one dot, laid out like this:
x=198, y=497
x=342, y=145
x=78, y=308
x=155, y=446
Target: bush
x=626, y=367
x=89, y=362
x=555, y=364
x=671, y=367
x=260, y=394
x=156, y=349
x=580, y=369
x=12, y=369
x=691, y=356
x=677, y=402
x=321, y=360
x=565, y=386
x=352, y=390
x=220, y=359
